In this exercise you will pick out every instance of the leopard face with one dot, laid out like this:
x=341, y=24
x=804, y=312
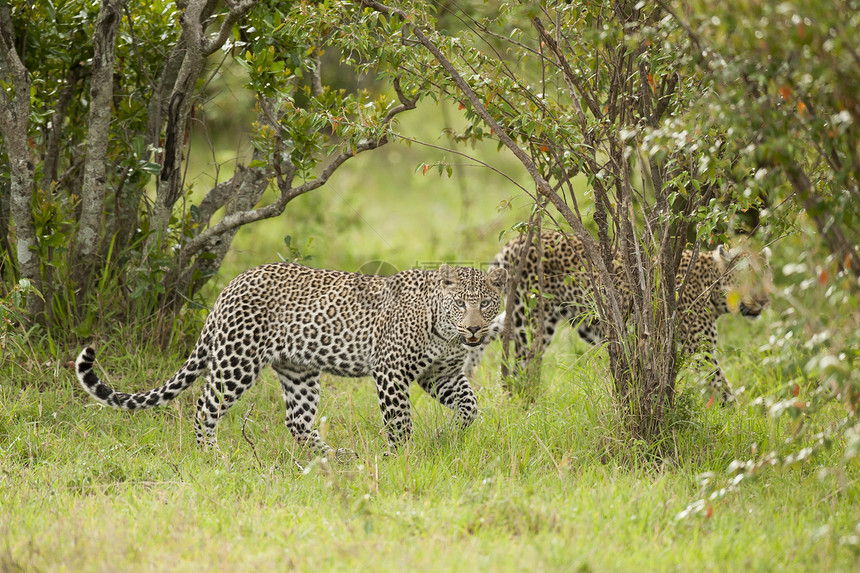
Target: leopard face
x=470, y=301
x=746, y=281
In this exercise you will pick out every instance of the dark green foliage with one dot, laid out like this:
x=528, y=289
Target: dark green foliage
x=160, y=238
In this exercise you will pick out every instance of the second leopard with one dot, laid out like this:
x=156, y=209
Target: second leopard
x=719, y=282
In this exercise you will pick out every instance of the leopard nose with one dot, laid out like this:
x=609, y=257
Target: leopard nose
x=473, y=329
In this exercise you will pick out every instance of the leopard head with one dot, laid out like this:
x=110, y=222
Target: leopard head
x=470, y=301
x=745, y=279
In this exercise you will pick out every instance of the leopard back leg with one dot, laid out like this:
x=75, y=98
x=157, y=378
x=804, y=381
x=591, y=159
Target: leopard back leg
x=301, y=390
x=526, y=326
x=233, y=369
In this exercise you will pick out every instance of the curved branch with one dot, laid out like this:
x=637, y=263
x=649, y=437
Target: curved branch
x=236, y=12
x=194, y=47
x=288, y=193
x=543, y=187
x=471, y=158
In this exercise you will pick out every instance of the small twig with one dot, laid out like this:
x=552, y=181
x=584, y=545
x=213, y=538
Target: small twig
x=466, y=155
x=247, y=439
x=144, y=483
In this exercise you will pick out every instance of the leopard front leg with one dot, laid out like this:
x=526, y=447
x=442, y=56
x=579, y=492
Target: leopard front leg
x=703, y=345
x=719, y=384
x=453, y=391
x=392, y=390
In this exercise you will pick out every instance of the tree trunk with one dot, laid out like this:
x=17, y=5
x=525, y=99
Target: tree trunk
x=87, y=243
x=50, y=168
x=197, y=47
x=21, y=199
x=14, y=120
x=5, y=246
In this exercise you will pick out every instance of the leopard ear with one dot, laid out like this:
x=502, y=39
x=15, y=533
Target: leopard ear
x=497, y=278
x=448, y=277
x=721, y=258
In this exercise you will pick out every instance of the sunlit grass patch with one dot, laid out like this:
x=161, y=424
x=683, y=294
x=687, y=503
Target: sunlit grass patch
x=548, y=485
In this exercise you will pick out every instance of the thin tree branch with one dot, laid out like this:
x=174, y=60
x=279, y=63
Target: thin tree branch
x=573, y=81
x=542, y=185
x=232, y=221
x=237, y=11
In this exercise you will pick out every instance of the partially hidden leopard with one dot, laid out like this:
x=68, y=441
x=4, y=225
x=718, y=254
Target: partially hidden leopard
x=416, y=325
x=721, y=281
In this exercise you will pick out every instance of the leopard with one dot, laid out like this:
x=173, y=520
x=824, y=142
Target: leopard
x=720, y=281
x=416, y=325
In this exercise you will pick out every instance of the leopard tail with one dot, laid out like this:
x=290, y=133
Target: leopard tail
x=194, y=366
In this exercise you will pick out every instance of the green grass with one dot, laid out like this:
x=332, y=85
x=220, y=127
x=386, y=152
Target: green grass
x=555, y=486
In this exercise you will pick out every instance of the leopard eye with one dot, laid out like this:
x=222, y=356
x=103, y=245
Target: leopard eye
x=486, y=303
x=460, y=303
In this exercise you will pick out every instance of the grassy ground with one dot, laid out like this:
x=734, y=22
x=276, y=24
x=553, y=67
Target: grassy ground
x=550, y=487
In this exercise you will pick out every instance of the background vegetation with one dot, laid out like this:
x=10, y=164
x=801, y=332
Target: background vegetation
x=553, y=484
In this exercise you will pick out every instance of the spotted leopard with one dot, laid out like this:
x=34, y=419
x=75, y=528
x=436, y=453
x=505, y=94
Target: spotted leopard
x=416, y=325
x=720, y=282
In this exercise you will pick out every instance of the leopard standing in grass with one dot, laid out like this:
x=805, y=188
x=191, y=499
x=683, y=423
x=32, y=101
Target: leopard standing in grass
x=720, y=282
x=417, y=325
